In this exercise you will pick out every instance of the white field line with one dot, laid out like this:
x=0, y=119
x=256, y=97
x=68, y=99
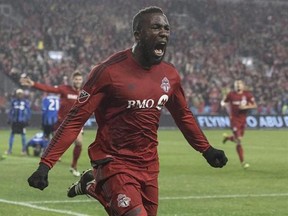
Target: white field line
x=225, y=196
x=29, y=205
x=177, y=198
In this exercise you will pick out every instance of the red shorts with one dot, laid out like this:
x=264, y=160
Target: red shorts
x=238, y=127
x=123, y=189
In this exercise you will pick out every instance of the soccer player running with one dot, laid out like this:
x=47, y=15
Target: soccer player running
x=127, y=92
x=19, y=117
x=238, y=103
x=68, y=96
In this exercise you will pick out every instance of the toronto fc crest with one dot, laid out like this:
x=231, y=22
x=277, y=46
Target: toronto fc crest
x=123, y=200
x=165, y=85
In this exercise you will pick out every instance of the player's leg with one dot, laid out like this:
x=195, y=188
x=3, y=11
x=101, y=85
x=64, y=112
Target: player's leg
x=11, y=141
x=81, y=187
x=87, y=186
x=120, y=195
x=47, y=130
x=150, y=197
x=76, y=154
x=239, y=146
x=11, y=138
x=238, y=138
x=23, y=139
x=239, y=149
x=232, y=137
x=123, y=193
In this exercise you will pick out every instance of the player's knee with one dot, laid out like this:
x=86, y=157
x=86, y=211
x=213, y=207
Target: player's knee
x=78, y=143
x=136, y=211
x=238, y=140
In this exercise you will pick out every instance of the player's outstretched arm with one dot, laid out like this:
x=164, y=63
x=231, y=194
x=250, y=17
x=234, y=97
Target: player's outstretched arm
x=26, y=81
x=39, y=179
x=215, y=157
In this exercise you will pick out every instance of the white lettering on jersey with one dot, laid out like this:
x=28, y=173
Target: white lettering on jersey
x=20, y=106
x=147, y=103
x=162, y=101
x=241, y=102
x=236, y=102
x=72, y=96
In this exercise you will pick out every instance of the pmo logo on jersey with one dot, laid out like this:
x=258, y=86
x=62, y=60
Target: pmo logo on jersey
x=150, y=103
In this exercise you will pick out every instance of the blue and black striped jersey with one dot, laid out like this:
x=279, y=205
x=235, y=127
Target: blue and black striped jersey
x=19, y=111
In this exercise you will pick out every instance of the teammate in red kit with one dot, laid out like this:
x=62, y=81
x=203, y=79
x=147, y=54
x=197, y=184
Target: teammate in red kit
x=68, y=96
x=126, y=92
x=238, y=102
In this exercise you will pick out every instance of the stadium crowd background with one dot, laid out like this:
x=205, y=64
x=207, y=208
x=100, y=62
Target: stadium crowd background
x=211, y=45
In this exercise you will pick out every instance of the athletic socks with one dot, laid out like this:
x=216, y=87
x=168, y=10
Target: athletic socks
x=240, y=152
x=11, y=141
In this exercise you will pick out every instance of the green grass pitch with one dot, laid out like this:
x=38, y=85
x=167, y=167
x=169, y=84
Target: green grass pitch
x=188, y=185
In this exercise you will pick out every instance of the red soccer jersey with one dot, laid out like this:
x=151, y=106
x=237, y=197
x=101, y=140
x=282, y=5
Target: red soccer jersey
x=68, y=96
x=235, y=100
x=127, y=101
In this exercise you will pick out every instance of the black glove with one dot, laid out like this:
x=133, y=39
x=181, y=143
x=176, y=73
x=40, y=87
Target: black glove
x=39, y=179
x=216, y=158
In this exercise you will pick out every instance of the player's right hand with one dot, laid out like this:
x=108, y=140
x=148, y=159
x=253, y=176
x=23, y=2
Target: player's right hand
x=39, y=179
x=26, y=81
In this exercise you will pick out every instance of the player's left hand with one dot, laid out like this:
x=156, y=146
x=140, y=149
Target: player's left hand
x=215, y=157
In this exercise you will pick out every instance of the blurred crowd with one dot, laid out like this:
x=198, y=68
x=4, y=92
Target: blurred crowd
x=211, y=45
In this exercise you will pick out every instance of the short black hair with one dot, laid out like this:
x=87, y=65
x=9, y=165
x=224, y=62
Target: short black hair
x=138, y=18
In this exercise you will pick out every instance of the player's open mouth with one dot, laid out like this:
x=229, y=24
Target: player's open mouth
x=159, y=49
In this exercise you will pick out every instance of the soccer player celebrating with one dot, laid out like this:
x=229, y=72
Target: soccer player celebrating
x=237, y=103
x=68, y=96
x=19, y=117
x=127, y=92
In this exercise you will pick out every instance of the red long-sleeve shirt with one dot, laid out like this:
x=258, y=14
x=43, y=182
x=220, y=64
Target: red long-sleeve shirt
x=68, y=96
x=127, y=101
x=235, y=100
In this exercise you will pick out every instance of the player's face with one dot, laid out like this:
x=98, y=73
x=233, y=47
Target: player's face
x=153, y=37
x=20, y=95
x=77, y=82
x=238, y=86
